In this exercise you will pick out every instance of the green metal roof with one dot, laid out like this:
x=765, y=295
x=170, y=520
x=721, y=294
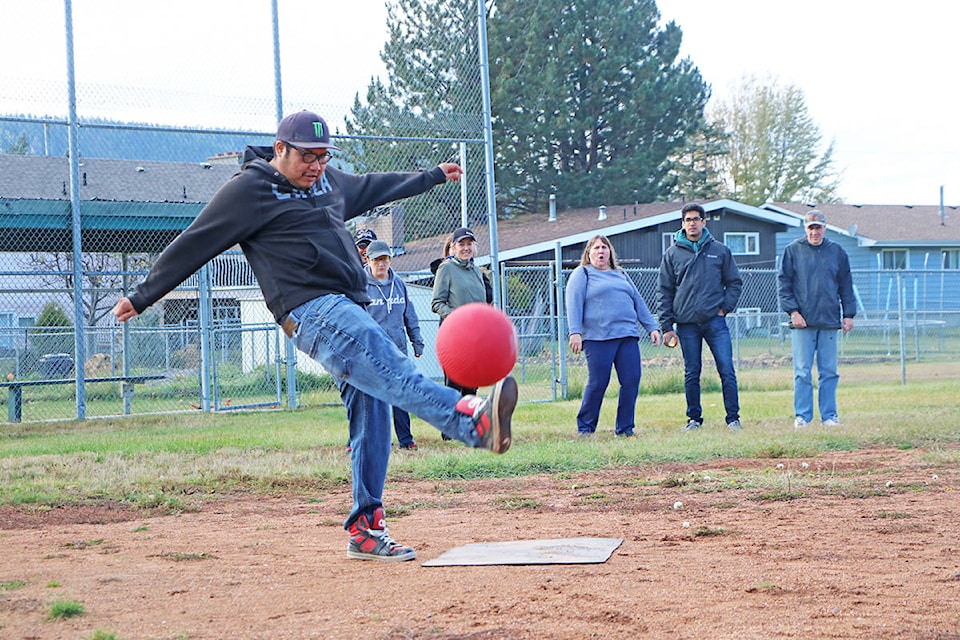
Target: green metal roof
x=125, y=227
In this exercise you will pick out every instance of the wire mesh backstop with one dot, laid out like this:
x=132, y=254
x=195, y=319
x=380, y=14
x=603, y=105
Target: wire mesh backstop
x=126, y=123
x=126, y=119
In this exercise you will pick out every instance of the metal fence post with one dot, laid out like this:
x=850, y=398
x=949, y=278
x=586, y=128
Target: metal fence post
x=561, y=316
x=205, y=322
x=901, y=329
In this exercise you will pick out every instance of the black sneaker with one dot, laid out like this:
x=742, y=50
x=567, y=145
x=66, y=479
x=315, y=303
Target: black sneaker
x=369, y=540
x=411, y=447
x=492, y=414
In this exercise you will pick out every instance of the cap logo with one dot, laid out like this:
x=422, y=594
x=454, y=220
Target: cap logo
x=318, y=129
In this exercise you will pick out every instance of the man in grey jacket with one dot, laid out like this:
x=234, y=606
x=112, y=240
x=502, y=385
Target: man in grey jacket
x=286, y=209
x=816, y=289
x=699, y=285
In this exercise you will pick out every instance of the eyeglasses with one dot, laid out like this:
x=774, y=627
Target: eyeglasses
x=310, y=157
x=686, y=220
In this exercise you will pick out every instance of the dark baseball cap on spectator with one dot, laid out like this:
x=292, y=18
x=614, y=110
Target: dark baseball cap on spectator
x=462, y=233
x=364, y=237
x=815, y=218
x=305, y=129
x=378, y=249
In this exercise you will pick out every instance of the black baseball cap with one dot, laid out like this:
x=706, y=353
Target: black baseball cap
x=462, y=233
x=305, y=129
x=364, y=237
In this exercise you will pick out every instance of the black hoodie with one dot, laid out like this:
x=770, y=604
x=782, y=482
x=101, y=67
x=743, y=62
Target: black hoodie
x=295, y=240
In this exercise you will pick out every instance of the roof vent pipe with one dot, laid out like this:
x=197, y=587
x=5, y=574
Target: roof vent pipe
x=553, y=208
x=603, y=213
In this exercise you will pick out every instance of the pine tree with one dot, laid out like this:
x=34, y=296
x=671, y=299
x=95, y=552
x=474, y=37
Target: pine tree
x=590, y=101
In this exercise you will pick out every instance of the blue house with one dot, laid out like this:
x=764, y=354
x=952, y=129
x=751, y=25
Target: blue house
x=916, y=247
x=908, y=251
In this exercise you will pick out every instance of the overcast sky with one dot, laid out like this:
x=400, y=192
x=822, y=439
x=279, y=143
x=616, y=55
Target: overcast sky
x=878, y=76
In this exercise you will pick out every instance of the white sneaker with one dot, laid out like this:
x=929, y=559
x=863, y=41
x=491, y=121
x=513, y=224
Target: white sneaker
x=799, y=423
x=831, y=422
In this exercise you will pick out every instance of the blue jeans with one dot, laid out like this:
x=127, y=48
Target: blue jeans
x=372, y=374
x=401, y=424
x=717, y=336
x=822, y=345
x=624, y=355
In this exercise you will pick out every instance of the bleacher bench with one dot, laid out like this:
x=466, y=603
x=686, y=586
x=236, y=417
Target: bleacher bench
x=15, y=390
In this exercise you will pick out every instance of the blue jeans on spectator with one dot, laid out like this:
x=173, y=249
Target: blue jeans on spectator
x=401, y=425
x=717, y=336
x=373, y=374
x=820, y=344
x=624, y=355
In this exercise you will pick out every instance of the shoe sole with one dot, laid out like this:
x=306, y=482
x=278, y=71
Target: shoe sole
x=505, y=400
x=360, y=555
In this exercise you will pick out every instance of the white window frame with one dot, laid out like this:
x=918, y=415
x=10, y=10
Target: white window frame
x=950, y=259
x=747, y=237
x=667, y=240
x=895, y=253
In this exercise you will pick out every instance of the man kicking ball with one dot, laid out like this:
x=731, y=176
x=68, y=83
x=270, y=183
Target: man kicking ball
x=286, y=209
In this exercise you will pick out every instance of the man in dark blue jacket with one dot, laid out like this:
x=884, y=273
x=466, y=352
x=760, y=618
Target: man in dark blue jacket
x=286, y=209
x=816, y=289
x=699, y=285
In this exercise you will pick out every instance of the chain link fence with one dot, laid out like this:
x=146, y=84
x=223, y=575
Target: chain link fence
x=904, y=317
x=110, y=146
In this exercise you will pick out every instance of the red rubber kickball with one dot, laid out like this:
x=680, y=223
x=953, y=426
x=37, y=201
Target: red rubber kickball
x=477, y=345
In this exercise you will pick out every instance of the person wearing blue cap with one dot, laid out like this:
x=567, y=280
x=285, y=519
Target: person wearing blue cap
x=286, y=208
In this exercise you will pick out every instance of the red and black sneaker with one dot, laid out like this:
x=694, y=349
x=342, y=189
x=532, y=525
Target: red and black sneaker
x=492, y=414
x=369, y=540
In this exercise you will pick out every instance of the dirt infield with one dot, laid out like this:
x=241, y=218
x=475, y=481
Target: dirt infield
x=847, y=545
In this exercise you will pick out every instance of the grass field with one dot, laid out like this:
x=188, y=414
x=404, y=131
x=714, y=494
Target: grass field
x=169, y=461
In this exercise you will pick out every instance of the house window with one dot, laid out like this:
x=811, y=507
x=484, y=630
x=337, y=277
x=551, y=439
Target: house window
x=894, y=258
x=951, y=258
x=743, y=244
x=667, y=241
x=8, y=327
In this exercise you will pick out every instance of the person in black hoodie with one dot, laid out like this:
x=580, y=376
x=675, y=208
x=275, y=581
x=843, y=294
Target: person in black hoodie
x=286, y=209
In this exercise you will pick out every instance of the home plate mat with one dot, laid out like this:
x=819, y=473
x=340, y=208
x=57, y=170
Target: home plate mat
x=557, y=551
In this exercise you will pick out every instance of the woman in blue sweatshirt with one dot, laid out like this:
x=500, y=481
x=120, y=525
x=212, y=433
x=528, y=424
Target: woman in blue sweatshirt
x=604, y=310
